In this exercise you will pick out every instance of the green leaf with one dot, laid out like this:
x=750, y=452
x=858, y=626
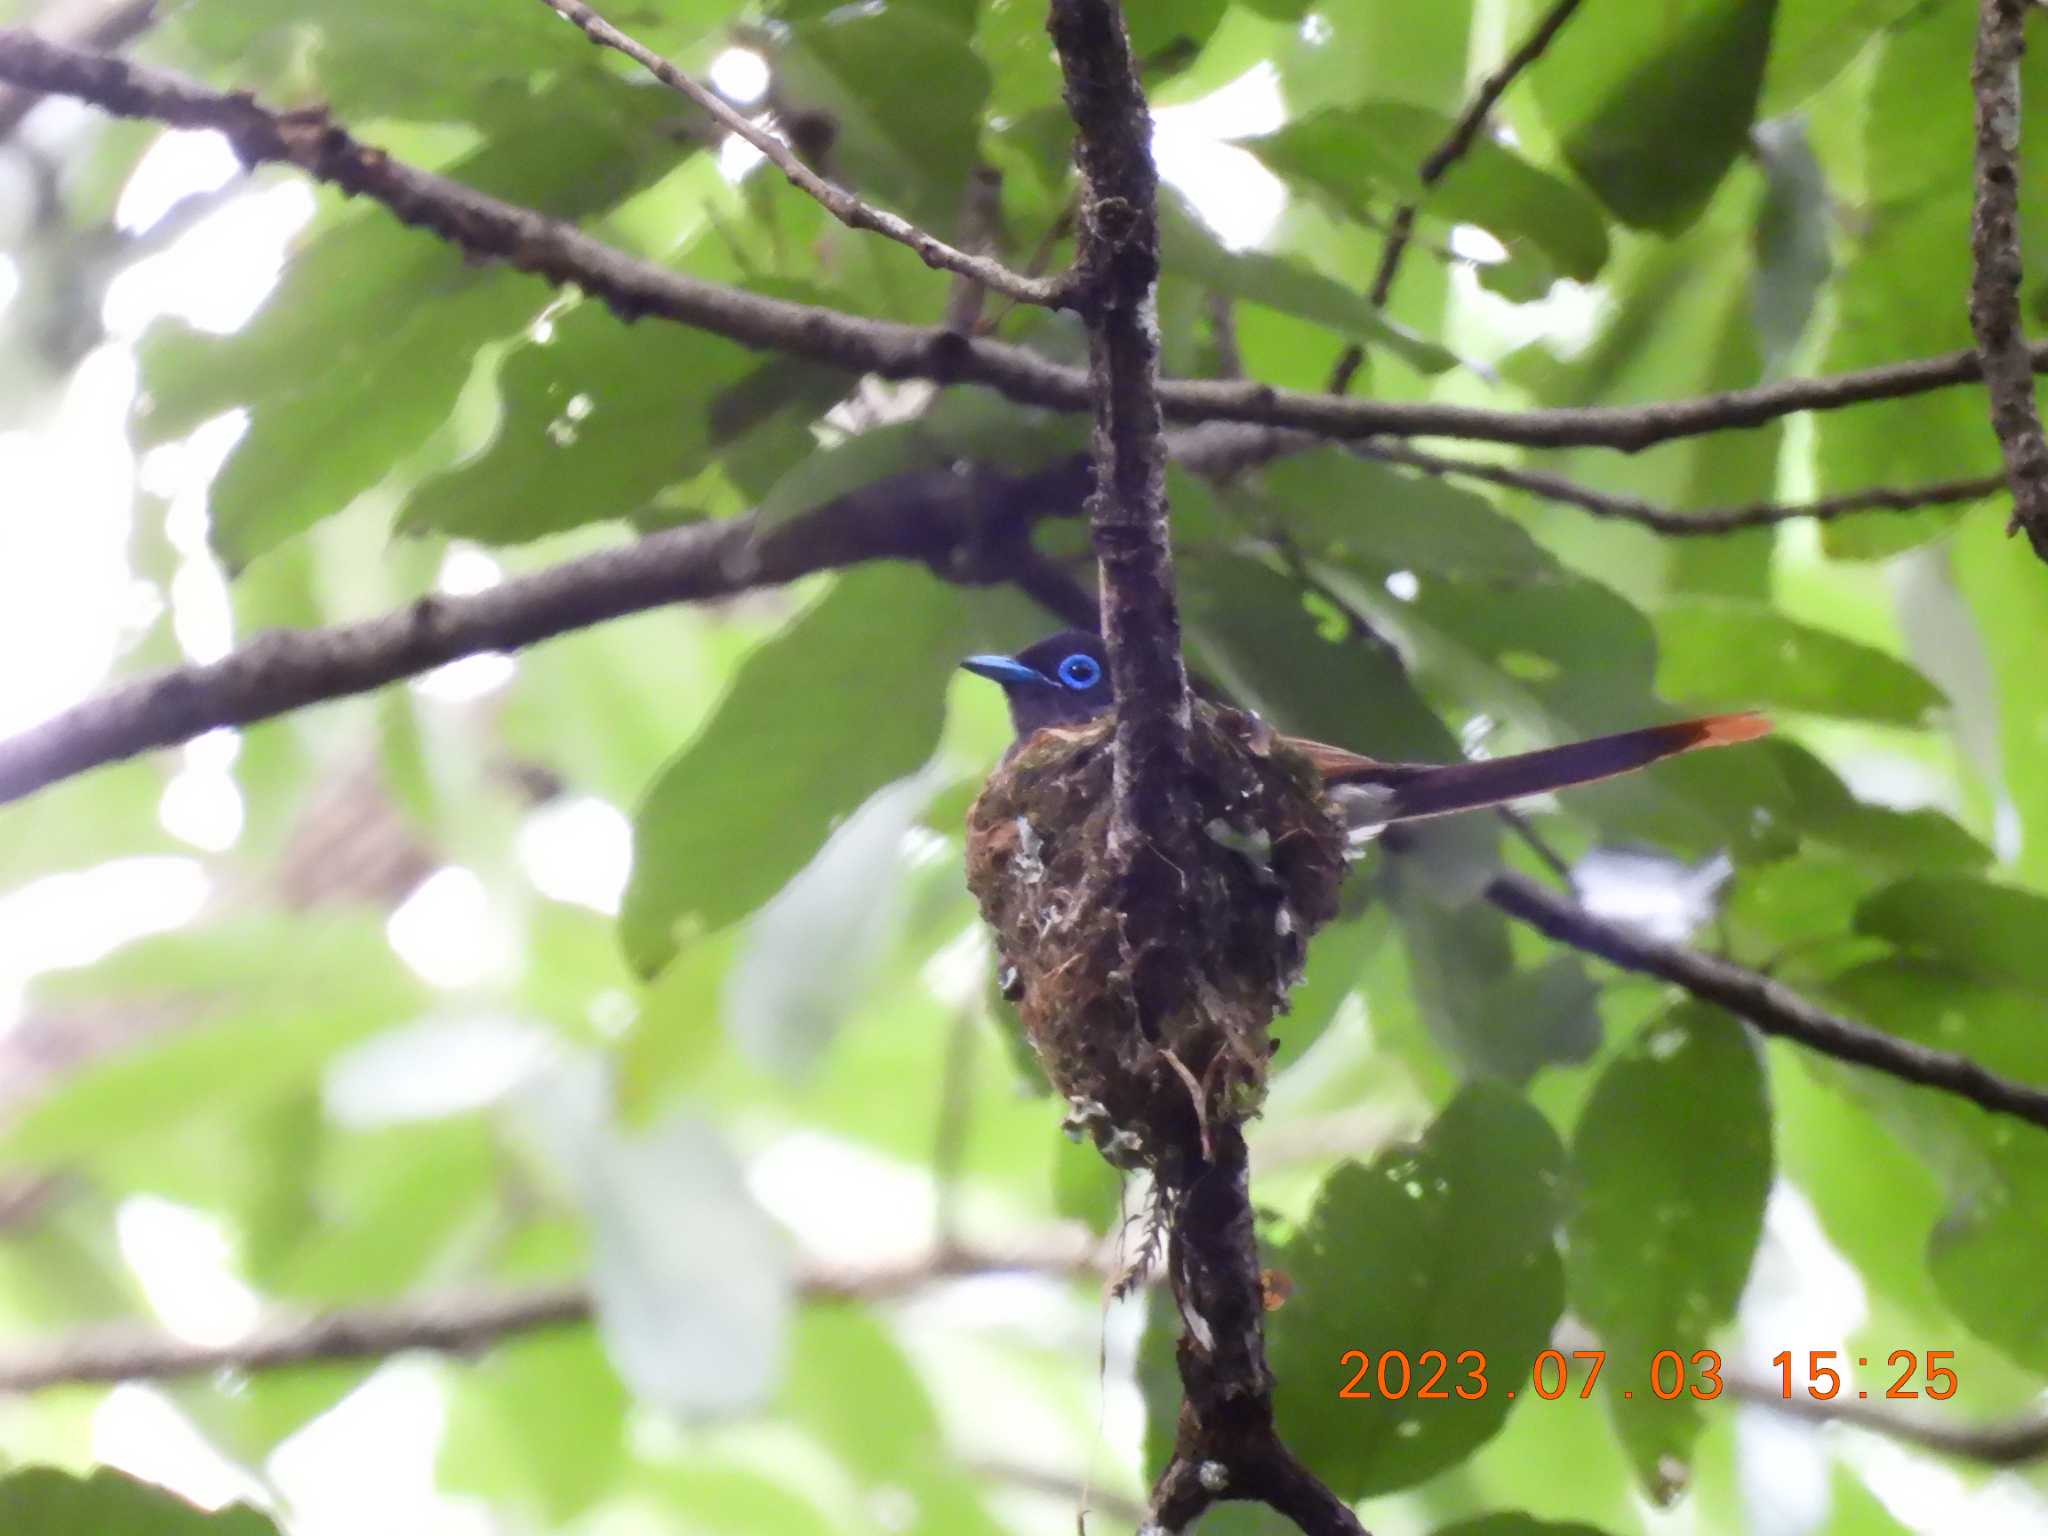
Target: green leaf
x=396, y=320
x=106, y=814
x=1337, y=959
x=1988, y=931
x=1900, y=293
x=977, y=428
x=912, y=149
x=1186, y=247
x=691, y=1282
x=1714, y=654
x=811, y=953
x=1652, y=103
x=2009, y=602
x=1814, y=40
x=593, y=422
x=226, y=986
x=1084, y=1187
x=1445, y=1244
x=48, y=1502
x=1154, y=28
x=676, y=1032
x=1671, y=1164
x=1356, y=50
x=1893, y=842
x=1794, y=233
x=1357, y=156
x=1251, y=625
x=846, y=699
x=451, y=60
x=1680, y=322
x=1336, y=502
x=859, y=1395
x=1994, y=1232
x=1987, y=1257
x=542, y=1416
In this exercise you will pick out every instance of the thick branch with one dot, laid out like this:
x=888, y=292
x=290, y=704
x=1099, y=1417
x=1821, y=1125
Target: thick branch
x=1225, y=1446
x=1460, y=138
x=1118, y=265
x=1769, y=1006
x=1995, y=259
x=973, y=527
x=489, y=229
x=1053, y=292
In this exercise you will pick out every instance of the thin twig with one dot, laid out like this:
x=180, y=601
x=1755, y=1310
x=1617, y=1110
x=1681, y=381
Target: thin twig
x=1995, y=266
x=1224, y=449
x=1460, y=138
x=470, y=1321
x=490, y=230
x=465, y=1322
x=1077, y=1491
x=1667, y=520
x=1770, y=1006
x=2010, y=1443
x=852, y=211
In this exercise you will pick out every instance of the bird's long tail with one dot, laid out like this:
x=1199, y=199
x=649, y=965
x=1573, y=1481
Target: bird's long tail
x=1413, y=790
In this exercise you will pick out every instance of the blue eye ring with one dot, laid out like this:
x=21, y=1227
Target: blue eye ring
x=1080, y=671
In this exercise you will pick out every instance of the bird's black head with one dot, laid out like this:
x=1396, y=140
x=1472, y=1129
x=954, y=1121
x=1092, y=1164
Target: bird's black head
x=1062, y=680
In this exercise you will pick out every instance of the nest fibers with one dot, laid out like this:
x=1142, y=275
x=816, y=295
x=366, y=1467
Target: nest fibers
x=1269, y=863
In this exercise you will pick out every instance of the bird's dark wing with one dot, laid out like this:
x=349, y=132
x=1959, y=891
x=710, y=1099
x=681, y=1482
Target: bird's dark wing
x=1414, y=790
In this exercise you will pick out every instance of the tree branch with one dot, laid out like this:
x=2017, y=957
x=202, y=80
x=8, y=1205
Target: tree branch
x=1225, y=1445
x=1771, y=1007
x=1223, y=449
x=1118, y=267
x=465, y=1322
x=2011, y=1443
x=1667, y=520
x=93, y=24
x=1460, y=138
x=469, y=1321
x=1995, y=265
x=488, y=229
x=972, y=527
x=853, y=212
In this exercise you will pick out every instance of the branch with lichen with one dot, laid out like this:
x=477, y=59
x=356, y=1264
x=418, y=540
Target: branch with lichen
x=1995, y=265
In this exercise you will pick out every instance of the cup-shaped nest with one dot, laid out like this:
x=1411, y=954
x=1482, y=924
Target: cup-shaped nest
x=1269, y=855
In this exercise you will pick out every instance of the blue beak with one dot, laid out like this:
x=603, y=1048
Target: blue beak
x=1004, y=670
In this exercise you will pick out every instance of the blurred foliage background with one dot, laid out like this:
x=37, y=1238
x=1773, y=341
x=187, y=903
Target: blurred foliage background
x=362, y=1006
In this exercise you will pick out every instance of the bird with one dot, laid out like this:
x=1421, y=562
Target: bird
x=1063, y=680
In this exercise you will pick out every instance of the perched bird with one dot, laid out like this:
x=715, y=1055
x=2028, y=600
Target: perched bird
x=1064, y=680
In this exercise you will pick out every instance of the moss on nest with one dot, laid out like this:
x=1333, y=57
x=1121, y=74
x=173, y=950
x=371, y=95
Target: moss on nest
x=1270, y=850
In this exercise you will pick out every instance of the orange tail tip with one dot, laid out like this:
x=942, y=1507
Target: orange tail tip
x=1726, y=730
